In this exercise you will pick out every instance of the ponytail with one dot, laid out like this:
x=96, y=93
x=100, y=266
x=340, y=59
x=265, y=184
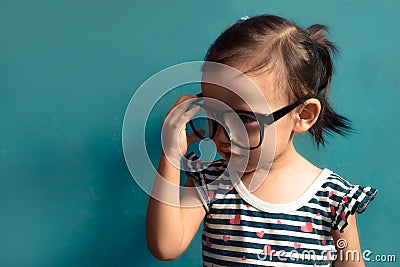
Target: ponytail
x=321, y=67
x=328, y=122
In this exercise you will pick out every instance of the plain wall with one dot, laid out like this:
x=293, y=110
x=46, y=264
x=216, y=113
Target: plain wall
x=67, y=72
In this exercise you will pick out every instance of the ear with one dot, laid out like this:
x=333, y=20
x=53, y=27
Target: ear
x=307, y=114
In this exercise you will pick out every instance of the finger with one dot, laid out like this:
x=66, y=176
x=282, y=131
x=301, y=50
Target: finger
x=184, y=101
x=181, y=106
x=188, y=115
x=184, y=97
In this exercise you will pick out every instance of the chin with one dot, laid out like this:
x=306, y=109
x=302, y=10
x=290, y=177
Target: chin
x=240, y=164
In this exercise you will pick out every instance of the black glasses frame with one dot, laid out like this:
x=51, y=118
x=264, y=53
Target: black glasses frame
x=263, y=119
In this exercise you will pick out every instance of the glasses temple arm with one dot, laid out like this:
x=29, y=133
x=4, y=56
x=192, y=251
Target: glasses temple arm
x=285, y=110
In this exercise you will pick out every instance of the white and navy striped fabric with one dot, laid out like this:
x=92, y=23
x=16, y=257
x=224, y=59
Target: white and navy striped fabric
x=241, y=230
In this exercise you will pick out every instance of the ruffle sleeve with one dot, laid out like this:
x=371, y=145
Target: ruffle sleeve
x=202, y=175
x=347, y=199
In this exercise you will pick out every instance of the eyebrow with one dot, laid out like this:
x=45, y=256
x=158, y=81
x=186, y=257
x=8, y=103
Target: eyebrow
x=232, y=109
x=236, y=110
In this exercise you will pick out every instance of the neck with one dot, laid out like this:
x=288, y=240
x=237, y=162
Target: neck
x=284, y=163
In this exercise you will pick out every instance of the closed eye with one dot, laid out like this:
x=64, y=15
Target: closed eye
x=245, y=118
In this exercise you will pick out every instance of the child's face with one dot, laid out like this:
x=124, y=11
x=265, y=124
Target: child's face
x=277, y=136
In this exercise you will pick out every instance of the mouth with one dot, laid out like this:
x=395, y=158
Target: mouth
x=228, y=155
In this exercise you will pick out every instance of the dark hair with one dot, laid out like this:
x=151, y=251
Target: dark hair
x=300, y=59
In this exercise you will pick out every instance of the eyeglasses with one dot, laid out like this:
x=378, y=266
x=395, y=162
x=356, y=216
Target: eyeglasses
x=243, y=128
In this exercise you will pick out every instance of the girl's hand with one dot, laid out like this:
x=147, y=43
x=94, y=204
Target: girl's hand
x=174, y=139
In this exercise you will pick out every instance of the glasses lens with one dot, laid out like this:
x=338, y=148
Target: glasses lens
x=203, y=121
x=244, y=129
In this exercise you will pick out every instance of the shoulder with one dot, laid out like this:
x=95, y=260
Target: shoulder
x=340, y=189
x=337, y=183
x=346, y=198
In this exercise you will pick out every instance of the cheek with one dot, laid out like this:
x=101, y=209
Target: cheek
x=265, y=153
x=284, y=129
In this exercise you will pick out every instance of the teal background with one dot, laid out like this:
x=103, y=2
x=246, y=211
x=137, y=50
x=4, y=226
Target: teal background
x=67, y=72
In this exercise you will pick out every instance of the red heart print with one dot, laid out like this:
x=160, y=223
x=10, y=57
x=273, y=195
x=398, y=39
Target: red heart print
x=210, y=194
x=208, y=242
x=318, y=214
x=343, y=216
x=260, y=234
x=307, y=228
x=235, y=220
x=248, y=205
x=210, y=216
x=296, y=245
x=226, y=238
x=331, y=193
x=230, y=187
x=278, y=221
x=333, y=211
x=345, y=199
x=328, y=255
x=244, y=258
x=323, y=242
x=268, y=251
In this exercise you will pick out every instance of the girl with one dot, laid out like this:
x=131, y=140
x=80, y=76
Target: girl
x=300, y=214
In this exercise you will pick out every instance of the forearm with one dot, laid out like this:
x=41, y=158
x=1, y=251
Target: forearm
x=349, y=253
x=164, y=227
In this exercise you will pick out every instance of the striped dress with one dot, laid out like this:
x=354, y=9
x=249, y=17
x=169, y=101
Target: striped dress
x=240, y=229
